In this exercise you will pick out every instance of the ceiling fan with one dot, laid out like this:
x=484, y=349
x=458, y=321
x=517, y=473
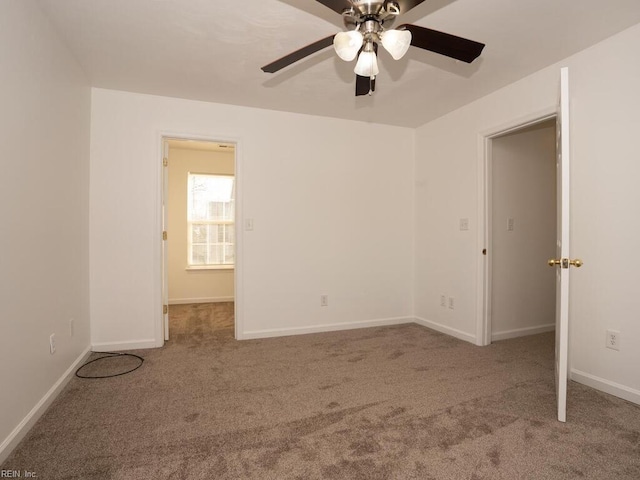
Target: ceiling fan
x=368, y=24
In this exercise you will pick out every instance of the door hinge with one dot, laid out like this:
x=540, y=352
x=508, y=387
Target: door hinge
x=165, y=309
x=164, y=235
x=165, y=162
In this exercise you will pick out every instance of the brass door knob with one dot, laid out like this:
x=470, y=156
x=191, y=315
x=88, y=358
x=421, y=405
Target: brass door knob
x=576, y=263
x=553, y=262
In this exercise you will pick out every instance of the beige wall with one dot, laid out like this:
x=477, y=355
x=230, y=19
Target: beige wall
x=193, y=286
x=605, y=200
x=523, y=296
x=44, y=200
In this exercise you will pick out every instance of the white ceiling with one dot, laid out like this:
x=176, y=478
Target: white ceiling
x=212, y=50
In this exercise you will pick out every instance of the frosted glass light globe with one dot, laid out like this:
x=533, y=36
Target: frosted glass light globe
x=396, y=42
x=347, y=44
x=367, y=65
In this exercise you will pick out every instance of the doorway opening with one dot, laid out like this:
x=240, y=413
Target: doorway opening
x=199, y=240
x=520, y=211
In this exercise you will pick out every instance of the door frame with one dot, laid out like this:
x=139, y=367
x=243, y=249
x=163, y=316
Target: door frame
x=238, y=267
x=485, y=140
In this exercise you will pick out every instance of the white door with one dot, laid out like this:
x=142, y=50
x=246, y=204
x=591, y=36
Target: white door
x=562, y=261
x=165, y=249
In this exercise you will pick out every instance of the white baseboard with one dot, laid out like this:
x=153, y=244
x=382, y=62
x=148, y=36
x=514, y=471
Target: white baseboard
x=329, y=327
x=184, y=301
x=18, y=433
x=444, y=329
x=522, y=332
x=129, y=345
x=613, y=388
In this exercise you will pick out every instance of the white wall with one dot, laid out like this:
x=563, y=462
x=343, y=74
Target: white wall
x=605, y=199
x=193, y=286
x=44, y=194
x=330, y=199
x=523, y=189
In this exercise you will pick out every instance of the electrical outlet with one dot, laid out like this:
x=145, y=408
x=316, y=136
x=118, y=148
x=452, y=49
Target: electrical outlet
x=52, y=343
x=443, y=300
x=613, y=340
x=451, y=303
x=464, y=224
x=324, y=300
x=72, y=327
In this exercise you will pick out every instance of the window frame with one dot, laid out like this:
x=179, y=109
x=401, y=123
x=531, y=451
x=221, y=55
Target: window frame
x=190, y=223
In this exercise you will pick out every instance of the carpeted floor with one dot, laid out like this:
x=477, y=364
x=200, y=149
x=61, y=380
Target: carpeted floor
x=399, y=402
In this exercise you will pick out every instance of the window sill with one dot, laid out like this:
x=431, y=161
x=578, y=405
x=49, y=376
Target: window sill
x=193, y=268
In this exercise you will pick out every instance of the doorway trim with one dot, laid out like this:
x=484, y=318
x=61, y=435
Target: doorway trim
x=239, y=263
x=485, y=140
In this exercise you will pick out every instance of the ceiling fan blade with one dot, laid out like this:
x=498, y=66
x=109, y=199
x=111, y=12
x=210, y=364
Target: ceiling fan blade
x=444, y=43
x=336, y=5
x=364, y=85
x=298, y=55
x=406, y=5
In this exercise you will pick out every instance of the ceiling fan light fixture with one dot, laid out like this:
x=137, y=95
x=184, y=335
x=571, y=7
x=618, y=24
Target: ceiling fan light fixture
x=368, y=23
x=367, y=65
x=347, y=44
x=396, y=42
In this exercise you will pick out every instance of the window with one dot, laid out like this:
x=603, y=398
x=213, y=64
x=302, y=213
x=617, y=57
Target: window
x=210, y=220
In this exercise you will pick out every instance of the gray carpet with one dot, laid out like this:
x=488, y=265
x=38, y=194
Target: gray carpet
x=399, y=402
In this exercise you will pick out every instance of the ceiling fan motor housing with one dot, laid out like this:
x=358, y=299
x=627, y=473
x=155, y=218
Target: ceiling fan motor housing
x=363, y=11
